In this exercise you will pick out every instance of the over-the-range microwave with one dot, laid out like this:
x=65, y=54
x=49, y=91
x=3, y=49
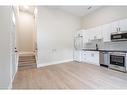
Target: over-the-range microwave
x=121, y=36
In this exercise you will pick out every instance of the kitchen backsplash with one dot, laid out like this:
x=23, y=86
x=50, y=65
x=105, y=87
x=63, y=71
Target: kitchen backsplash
x=106, y=45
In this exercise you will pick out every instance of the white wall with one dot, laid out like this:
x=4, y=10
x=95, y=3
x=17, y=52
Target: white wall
x=5, y=50
x=55, y=30
x=25, y=33
x=104, y=15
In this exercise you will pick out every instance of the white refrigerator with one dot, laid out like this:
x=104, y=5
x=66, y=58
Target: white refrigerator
x=78, y=45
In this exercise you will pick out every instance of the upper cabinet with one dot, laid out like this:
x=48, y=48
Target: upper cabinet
x=104, y=31
x=85, y=36
x=116, y=26
x=97, y=32
x=119, y=26
x=92, y=34
x=123, y=25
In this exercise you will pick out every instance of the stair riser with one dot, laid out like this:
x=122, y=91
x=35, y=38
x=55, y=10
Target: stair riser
x=26, y=57
x=25, y=68
x=27, y=64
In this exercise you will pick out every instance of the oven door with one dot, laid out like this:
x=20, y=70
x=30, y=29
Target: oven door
x=117, y=62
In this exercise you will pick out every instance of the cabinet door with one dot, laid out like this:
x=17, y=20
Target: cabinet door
x=95, y=57
x=77, y=55
x=114, y=26
x=92, y=57
x=88, y=57
x=97, y=32
x=85, y=37
x=83, y=56
x=106, y=32
x=123, y=25
x=91, y=34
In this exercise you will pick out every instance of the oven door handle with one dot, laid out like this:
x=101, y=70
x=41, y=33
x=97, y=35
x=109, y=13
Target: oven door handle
x=124, y=55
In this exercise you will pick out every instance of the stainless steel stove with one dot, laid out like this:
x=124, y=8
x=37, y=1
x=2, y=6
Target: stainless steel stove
x=118, y=61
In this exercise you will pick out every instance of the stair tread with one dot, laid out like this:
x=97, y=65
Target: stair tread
x=27, y=57
x=27, y=62
x=25, y=68
x=26, y=65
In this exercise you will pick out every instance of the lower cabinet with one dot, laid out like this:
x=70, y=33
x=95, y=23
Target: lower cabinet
x=77, y=56
x=91, y=57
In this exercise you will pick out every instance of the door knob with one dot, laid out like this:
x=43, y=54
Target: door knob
x=16, y=51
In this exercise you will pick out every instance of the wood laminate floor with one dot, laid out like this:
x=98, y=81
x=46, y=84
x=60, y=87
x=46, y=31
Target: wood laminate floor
x=71, y=75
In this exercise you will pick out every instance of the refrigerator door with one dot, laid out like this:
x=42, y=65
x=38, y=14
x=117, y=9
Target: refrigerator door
x=77, y=55
x=78, y=45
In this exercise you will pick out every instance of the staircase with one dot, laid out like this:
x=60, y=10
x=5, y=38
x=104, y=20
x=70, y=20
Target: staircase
x=27, y=62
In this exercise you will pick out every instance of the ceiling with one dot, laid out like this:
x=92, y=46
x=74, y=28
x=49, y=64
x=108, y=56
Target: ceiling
x=78, y=10
x=75, y=10
x=28, y=9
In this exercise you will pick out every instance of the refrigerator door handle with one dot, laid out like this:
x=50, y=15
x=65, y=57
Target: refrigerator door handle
x=75, y=43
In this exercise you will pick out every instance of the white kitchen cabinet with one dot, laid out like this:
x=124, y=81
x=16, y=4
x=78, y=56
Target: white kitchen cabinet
x=91, y=57
x=107, y=29
x=119, y=26
x=114, y=26
x=85, y=36
x=85, y=56
x=97, y=32
x=77, y=55
x=106, y=32
x=91, y=34
x=123, y=25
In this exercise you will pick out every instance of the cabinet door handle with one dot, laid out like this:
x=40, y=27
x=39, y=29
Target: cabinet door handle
x=119, y=28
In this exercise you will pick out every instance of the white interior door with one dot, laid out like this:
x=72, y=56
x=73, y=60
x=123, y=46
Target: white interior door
x=13, y=47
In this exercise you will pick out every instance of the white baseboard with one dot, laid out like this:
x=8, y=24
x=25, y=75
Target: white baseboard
x=52, y=63
x=10, y=86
